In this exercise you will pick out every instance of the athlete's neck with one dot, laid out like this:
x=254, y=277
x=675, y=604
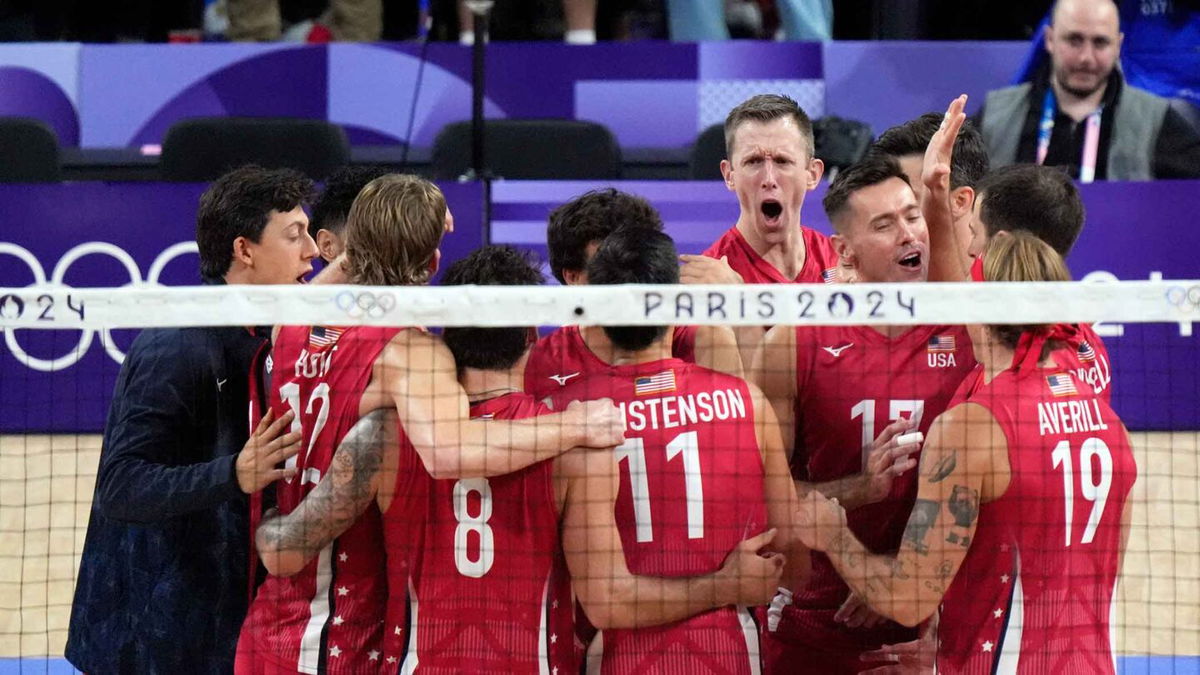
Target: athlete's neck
x=482, y=385
x=892, y=332
x=787, y=256
x=1077, y=107
x=660, y=350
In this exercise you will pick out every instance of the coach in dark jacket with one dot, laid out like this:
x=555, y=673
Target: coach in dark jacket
x=165, y=573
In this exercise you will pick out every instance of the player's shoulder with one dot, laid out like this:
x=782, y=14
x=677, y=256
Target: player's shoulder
x=558, y=340
x=724, y=244
x=820, y=243
x=178, y=345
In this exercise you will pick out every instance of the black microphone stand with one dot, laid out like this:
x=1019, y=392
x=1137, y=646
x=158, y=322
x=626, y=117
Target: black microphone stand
x=479, y=170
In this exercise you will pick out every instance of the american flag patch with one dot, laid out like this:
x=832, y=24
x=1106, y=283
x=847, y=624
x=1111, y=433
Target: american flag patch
x=1061, y=385
x=1086, y=353
x=830, y=275
x=655, y=384
x=942, y=343
x=320, y=337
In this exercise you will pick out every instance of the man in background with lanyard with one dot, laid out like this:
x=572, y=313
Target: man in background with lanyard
x=1079, y=113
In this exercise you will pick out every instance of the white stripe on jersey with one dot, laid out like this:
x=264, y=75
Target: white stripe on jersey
x=1010, y=653
x=1112, y=622
x=410, y=661
x=595, y=654
x=750, y=632
x=543, y=649
x=318, y=614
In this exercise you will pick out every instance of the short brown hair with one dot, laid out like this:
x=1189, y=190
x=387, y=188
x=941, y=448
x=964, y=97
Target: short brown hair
x=871, y=170
x=1040, y=199
x=393, y=231
x=1021, y=256
x=765, y=108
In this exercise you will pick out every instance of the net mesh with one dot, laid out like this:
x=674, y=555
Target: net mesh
x=848, y=344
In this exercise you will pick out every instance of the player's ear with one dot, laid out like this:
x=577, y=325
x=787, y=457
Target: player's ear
x=961, y=201
x=727, y=173
x=329, y=244
x=242, y=252
x=574, y=277
x=816, y=169
x=845, y=254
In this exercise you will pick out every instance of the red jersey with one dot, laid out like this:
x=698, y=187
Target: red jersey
x=562, y=356
x=488, y=589
x=1087, y=358
x=692, y=488
x=1083, y=354
x=329, y=617
x=1035, y=592
x=851, y=382
x=820, y=260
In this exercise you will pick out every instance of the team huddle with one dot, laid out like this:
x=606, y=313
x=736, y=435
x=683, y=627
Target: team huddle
x=682, y=499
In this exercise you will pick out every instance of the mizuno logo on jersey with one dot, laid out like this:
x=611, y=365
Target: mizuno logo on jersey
x=837, y=351
x=1061, y=385
x=660, y=383
x=562, y=379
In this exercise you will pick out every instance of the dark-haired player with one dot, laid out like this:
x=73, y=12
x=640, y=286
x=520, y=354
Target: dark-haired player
x=702, y=467
x=1038, y=199
x=907, y=142
x=576, y=230
x=329, y=212
x=852, y=398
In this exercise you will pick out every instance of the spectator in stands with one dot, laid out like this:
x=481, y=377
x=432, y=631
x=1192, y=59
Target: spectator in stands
x=1080, y=113
x=347, y=20
x=330, y=211
x=580, y=18
x=693, y=20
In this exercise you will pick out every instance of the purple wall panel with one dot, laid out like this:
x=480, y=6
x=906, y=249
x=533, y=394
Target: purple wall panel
x=886, y=83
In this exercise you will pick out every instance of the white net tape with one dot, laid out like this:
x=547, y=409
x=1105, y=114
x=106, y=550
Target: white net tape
x=1168, y=301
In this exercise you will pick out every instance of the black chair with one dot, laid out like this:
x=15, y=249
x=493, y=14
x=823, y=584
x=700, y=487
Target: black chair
x=707, y=153
x=839, y=143
x=202, y=149
x=531, y=150
x=28, y=151
x=1188, y=111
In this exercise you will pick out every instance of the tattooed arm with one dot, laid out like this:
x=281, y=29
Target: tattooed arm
x=957, y=466
x=287, y=542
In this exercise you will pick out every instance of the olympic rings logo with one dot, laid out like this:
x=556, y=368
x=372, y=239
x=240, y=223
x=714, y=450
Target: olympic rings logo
x=56, y=279
x=365, y=303
x=1186, y=299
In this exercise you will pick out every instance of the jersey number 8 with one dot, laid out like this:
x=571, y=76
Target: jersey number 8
x=478, y=524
